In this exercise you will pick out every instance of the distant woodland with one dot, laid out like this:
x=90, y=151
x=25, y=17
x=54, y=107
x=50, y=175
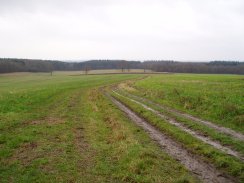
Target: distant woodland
x=8, y=65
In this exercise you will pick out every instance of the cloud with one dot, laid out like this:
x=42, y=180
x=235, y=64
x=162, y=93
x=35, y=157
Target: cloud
x=106, y=29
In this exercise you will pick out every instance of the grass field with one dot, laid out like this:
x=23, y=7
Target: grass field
x=219, y=98
x=105, y=71
x=62, y=128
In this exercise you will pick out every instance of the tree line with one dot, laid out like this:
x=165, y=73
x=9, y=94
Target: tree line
x=8, y=65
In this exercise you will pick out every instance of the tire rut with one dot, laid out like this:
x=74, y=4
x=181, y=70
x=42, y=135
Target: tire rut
x=221, y=129
x=199, y=136
x=206, y=172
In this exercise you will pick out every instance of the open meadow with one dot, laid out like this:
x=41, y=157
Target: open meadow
x=68, y=127
x=121, y=91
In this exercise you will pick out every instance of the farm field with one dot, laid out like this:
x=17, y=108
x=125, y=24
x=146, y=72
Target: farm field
x=105, y=71
x=63, y=129
x=202, y=112
x=121, y=128
x=219, y=98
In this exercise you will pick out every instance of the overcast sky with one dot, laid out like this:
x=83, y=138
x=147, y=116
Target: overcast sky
x=196, y=30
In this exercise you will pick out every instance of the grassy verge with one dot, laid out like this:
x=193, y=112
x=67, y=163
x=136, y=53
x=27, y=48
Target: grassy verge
x=224, y=162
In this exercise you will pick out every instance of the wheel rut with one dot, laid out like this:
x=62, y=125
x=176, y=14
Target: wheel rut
x=205, y=172
x=197, y=135
x=221, y=129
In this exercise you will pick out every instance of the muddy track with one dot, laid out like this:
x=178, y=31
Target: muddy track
x=197, y=135
x=206, y=172
x=221, y=129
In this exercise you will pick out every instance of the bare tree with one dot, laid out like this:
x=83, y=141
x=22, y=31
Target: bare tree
x=50, y=68
x=87, y=69
x=122, y=65
x=128, y=66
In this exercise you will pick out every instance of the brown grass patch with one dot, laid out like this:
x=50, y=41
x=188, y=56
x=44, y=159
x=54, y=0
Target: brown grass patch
x=127, y=86
x=74, y=99
x=80, y=142
x=25, y=154
x=94, y=95
x=48, y=120
x=117, y=130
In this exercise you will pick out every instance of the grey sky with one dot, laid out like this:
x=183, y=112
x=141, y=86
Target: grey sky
x=122, y=29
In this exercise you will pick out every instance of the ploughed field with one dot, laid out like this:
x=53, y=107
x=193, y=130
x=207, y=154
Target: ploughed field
x=121, y=128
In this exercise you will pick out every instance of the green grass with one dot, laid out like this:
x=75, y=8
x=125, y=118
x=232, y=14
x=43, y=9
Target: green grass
x=63, y=129
x=218, y=98
x=223, y=139
x=226, y=163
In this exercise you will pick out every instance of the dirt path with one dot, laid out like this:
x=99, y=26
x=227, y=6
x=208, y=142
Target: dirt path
x=206, y=172
x=197, y=135
x=221, y=129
